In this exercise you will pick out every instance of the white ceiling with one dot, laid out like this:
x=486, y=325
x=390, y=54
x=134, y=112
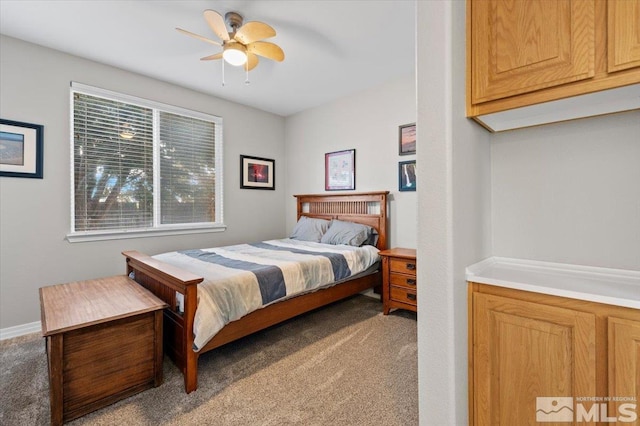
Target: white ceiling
x=332, y=48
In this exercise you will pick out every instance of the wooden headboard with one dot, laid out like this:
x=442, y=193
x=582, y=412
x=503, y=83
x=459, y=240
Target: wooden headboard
x=368, y=208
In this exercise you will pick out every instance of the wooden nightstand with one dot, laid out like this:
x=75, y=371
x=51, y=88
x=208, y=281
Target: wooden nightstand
x=104, y=343
x=399, y=281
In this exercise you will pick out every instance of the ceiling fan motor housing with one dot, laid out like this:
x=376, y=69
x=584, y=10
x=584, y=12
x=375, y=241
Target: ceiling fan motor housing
x=234, y=20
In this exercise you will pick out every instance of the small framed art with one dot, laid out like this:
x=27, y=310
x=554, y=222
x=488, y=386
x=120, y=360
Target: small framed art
x=407, y=175
x=257, y=173
x=340, y=170
x=21, y=150
x=407, y=139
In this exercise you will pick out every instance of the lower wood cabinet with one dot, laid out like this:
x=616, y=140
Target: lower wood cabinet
x=540, y=358
x=624, y=358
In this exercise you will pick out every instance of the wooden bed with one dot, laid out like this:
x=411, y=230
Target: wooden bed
x=369, y=208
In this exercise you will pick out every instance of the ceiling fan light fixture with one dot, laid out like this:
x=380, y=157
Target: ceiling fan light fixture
x=241, y=46
x=235, y=54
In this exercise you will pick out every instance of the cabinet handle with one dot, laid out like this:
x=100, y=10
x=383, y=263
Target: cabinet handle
x=411, y=266
x=411, y=296
x=411, y=281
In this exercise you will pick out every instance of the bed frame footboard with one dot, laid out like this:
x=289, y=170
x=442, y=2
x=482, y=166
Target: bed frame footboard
x=164, y=281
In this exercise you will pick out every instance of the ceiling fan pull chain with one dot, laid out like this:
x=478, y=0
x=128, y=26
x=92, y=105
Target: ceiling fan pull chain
x=222, y=73
x=246, y=81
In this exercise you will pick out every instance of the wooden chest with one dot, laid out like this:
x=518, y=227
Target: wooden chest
x=104, y=343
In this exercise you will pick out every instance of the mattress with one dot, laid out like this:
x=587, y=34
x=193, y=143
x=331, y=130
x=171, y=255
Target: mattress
x=242, y=278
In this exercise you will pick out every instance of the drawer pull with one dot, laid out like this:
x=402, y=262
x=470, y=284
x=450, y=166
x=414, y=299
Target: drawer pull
x=411, y=266
x=411, y=281
x=411, y=296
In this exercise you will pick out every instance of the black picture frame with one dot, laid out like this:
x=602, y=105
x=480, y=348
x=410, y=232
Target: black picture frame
x=407, y=139
x=257, y=173
x=407, y=175
x=21, y=149
x=340, y=170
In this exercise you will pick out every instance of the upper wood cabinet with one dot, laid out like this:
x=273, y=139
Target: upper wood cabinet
x=522, y=46
x=623, y=34
x=526, y=52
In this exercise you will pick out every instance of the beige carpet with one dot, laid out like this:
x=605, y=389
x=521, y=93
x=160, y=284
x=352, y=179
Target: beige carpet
x=346, y=364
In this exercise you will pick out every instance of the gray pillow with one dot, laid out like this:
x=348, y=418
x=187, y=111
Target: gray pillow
x=373, y=238
x=349, y=233
x=310, y=229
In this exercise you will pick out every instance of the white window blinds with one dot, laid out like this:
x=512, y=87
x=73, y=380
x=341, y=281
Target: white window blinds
x=113, y=164
x=187, y=169
x=141, y=167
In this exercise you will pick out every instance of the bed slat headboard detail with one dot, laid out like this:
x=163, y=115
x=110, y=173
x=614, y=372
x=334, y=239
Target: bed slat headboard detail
x=368, y=208
x=338, y=207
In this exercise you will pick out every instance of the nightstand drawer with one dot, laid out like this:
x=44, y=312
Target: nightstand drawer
x=399, y=279
x=404, y=266
x=402, y=280
x=403, y=295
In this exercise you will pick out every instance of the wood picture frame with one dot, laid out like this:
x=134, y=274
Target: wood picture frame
x=407, y=175
x=257, y=173
x=21, y=149
x=340, y=170
x=407, y=139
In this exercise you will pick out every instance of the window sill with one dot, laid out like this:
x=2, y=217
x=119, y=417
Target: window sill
x=81, y=237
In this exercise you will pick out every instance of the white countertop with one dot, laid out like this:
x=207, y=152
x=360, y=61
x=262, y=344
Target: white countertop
x=603, y=285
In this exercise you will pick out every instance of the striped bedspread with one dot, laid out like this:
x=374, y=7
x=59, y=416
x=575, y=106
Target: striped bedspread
x=242, y=278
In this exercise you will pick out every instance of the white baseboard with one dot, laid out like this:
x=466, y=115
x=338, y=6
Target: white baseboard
x=20, y=330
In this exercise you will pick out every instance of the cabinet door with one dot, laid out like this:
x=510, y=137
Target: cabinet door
x=623, y=27
x=519, y=46
x=524, y=350
x=624, y=360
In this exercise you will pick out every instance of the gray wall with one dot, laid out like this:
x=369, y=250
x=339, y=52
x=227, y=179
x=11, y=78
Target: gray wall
x=367, y=122
x=34, y=213
x=569, y=192
x=454, y=204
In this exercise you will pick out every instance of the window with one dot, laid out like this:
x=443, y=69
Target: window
x=142, y=168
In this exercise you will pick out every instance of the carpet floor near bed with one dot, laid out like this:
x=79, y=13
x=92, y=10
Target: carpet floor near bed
x=345, y=364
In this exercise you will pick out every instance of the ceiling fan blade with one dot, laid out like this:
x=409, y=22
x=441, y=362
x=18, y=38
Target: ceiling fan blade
x=216, y=22
x=199, y=37
x=266, y=49
x=254, y=31
x=212, y=57
x=252, y=61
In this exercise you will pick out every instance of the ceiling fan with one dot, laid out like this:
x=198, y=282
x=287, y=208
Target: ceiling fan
x=243, y=44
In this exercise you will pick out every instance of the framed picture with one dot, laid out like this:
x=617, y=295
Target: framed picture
x=407, y=138
x=407, y=175
x=20, y=149
x=340, y=170
x=257, y=173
